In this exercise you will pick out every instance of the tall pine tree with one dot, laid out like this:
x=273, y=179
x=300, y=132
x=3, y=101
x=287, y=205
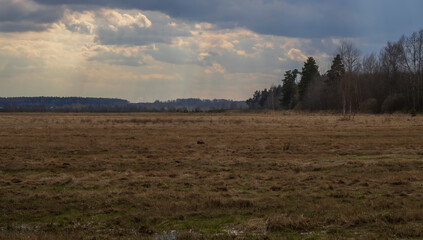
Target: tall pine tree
x=289, y=88
x=332, y=83
x=337, y=71
x=310, y=71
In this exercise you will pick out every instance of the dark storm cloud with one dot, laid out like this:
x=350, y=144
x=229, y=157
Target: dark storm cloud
x=22, y=27
x=21, y=16
x=293, y=18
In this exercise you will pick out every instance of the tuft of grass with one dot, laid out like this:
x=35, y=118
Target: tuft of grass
x=283, y=223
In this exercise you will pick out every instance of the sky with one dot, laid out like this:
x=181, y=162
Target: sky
x=146, y=50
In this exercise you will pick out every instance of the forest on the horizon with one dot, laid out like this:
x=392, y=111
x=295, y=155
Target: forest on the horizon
x=389, y=81
x=91, y=104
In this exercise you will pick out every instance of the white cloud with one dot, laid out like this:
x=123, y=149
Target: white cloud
x=81, y=22
x=115, y=18
x=133, y=28
x=241, y=52
x=215, y=68
x=296, y=55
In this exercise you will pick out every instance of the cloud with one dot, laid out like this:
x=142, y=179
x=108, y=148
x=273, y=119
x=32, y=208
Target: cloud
x=119, y=58
x=157, y=76
x=80, y=22
x=215, y=68
x=292, y=18
x=185, y=54
x=125, y=27
x=296, y=55
x=116, y=19
x=23, y=26
x=122, y=27
x=27, y=15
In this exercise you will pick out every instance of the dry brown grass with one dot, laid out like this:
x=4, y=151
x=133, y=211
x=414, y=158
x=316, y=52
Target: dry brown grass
x=257, y=175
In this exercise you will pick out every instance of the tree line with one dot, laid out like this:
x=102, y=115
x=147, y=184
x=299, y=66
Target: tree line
x=389, y=81
x=84, y=104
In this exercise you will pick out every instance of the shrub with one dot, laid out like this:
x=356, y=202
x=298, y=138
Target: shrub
x=392, y=103
x=370, y=105
x=299, y=107
x=413, y=112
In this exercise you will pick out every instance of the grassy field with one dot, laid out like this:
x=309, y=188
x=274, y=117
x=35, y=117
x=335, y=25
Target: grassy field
x=232, y=175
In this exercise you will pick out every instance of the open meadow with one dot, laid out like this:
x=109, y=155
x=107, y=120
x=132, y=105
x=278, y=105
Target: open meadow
x=231, y=175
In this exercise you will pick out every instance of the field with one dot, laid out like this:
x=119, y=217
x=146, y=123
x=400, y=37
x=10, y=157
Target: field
x=232, y=175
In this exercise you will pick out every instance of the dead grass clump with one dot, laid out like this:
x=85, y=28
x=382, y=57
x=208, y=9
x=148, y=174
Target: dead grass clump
x=229, y=203
x=46, y=236
x=339, y=194
x=399, y=182
x=86, y=120
x=297, y=169
x=256, y=225
x=64, y=181
x=281, y=223
x=187, y=235
x=133, y=120
x=190, y=235
x=408, y=231
x=391, y=218
x=241, y=203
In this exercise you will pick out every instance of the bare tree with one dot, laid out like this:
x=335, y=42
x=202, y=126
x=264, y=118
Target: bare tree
x=412, y=63
x=348, y=88
x=391, y=58
x=350, y=56
x=370, y=64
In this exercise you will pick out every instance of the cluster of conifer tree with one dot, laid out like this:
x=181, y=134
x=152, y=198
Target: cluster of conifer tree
x=389, y=81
